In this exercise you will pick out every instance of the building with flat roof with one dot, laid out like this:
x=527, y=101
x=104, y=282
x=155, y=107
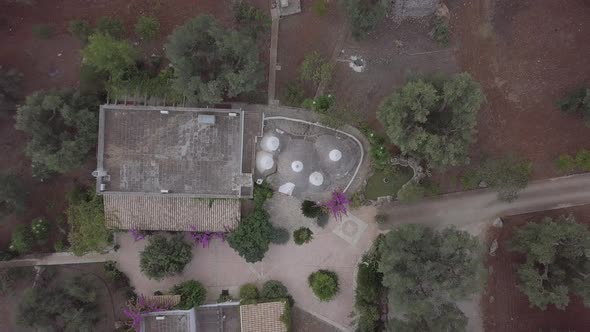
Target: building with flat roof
x=164, y=168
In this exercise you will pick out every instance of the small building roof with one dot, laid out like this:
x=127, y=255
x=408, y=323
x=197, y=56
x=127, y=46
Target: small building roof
x=169, y=213
x=169, y=321
x=262, y=317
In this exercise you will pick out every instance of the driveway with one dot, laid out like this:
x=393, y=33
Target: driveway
x=219, y=267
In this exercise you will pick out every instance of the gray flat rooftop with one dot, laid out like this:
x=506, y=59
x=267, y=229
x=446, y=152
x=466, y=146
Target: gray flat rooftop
x=144, y=150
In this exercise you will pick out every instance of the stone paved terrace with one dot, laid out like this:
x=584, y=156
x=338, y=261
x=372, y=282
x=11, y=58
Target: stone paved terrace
x=145, y=150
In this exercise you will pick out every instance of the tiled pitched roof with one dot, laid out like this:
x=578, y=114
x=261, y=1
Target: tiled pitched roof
x=262, y=317
x=168, y=213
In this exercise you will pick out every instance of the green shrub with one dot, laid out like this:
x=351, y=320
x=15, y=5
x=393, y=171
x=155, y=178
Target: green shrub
x=40, y=229
x=368, y=292
x=164, y=257
x=110, y=55
x=380, y=219
x=111, y=26
x=323, y=219
x=324, y=284
x=251, y=19
x=6, y=255
x=379, y=153
x=310, y=209
x=22, y=240
x=302, y=235
x=43, y=31
x=577, y=101
x=440, y=32
x=262, y=193
x=80, y=29
x=11, y=90
x=88, y=232
x=13, y=197
x=470, y=179
x=280, y=235
x=320, y=7
x=357, y=200
x=147, y=27
x=286, y=317
x=274, y=289
x=113, y=273
x=9, y=277
x=248, y=292
x=571, y=163
x=315, y=69
x=294, y=94
x=192, y=294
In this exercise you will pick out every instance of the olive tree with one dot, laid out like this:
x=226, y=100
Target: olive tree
x=557, y=261
x=424, y=270
x=69, y=306
x=433, y=119
x=62, y=127
x=211, y=63
x=252, y=237
x=364, y=16
x=164, y=257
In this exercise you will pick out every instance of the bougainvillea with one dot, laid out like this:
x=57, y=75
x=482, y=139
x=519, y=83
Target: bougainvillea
x=205, y=237
x=137, y=234
x=134, y=311
x=337, y=204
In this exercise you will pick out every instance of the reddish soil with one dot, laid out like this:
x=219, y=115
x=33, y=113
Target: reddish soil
x=55, y=64
x=304, y=33
x=526, y=54
x=505, y=307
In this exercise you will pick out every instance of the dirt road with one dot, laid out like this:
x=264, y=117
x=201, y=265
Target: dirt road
x=474, y=210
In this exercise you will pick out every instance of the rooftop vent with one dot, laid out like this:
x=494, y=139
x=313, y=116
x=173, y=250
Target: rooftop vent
x=206, y=119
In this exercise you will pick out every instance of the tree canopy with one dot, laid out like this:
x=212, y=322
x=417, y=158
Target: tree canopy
x=364, y=16
x=433, y=119
x=164, y=257
x=211, y=63
x=62, y=126
x=69, y=307
x=108, y=54
x=557, y=261
x=425, y=270
x=252, y=237
x=192, y=294
x=88, y=232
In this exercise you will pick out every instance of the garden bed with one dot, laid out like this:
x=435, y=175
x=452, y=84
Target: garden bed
x=387, y=183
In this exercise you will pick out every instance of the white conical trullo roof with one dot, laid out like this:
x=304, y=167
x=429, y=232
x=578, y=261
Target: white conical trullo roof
x=264, y=161
x=297, y=166
x=316, y=178
x=270, y=143
x=335, y=155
